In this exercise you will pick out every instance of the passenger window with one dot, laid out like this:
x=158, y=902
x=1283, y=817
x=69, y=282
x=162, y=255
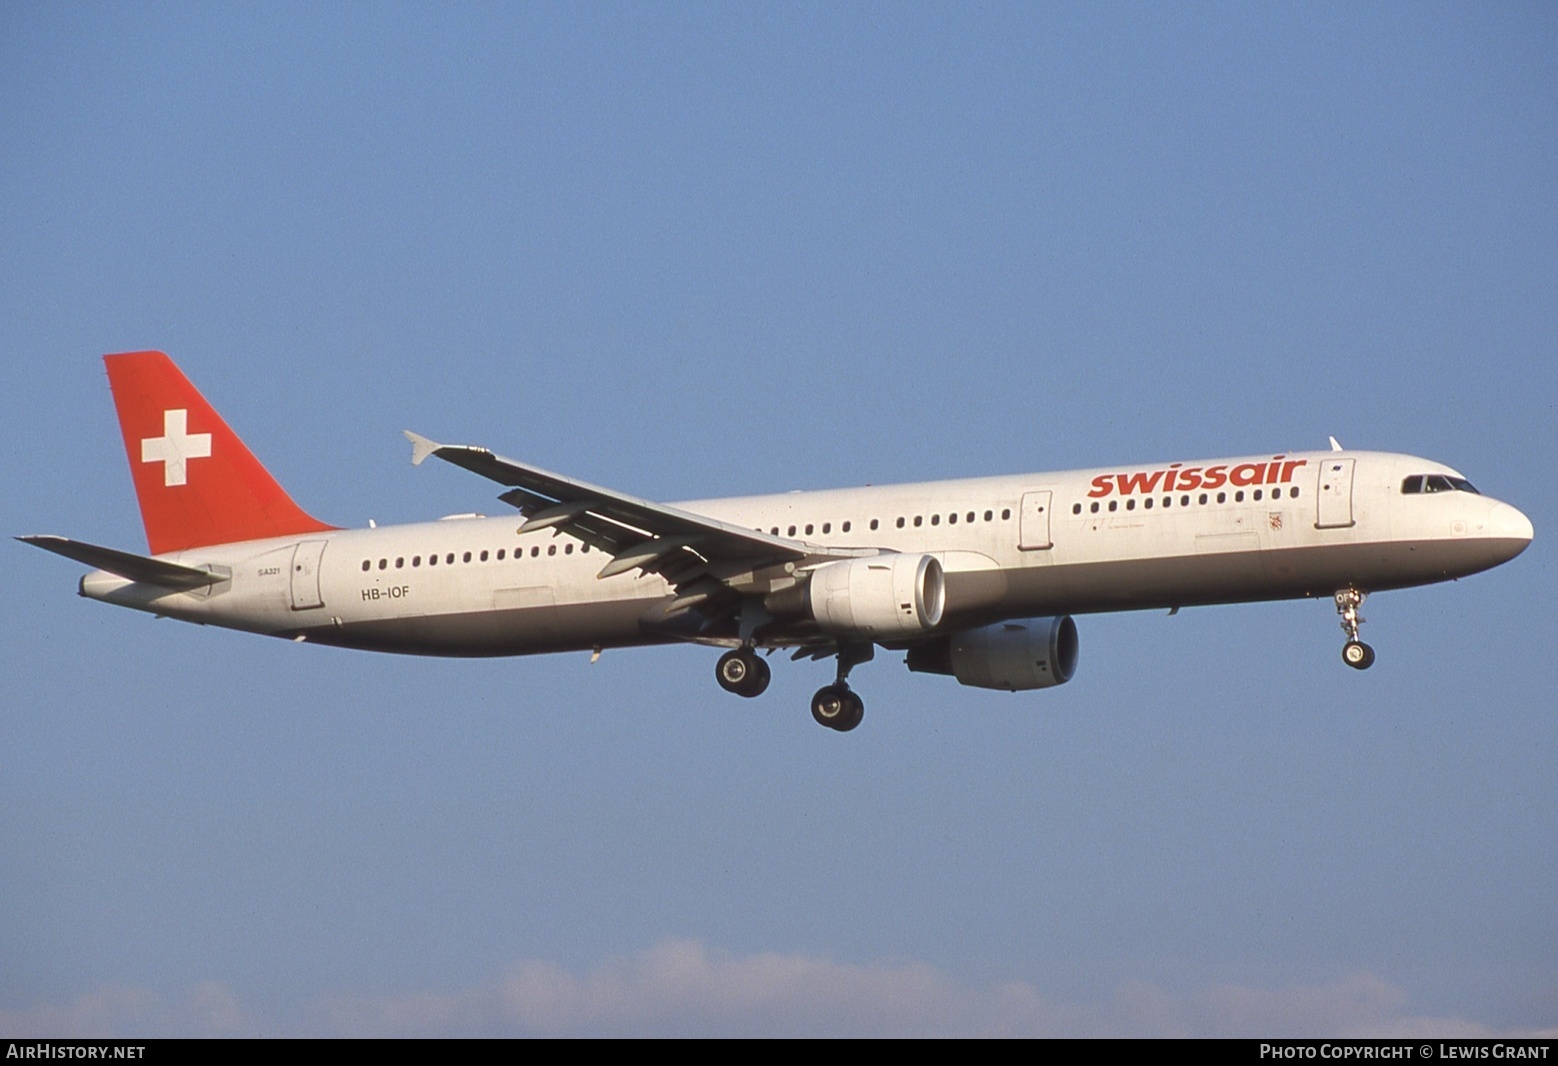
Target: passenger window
x=873, y=524
x=1222, y=497
x=568, y=549
x=1114, y=505
x=844, y=528
x=400, y=563
x=449, y=559
x=827, y=527
x=1094, y=507
x=467, y=557
x=432, y=560
x=484, y=555
x=365, y=564
x=918, y=521
x=551, y=549
x=808, y=529
x=1006, y=513
x=935, y=520
x=900, y=523
x=500, y=555
x=383, y=563
x=1076, y=508
x=989, y=516
x=1130, y=504
x=416, y=560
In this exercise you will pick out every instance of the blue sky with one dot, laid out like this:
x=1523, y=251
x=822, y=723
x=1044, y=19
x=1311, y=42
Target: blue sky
x=692, y=250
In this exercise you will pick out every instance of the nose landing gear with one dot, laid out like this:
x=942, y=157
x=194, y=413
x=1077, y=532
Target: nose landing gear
x=1355, y=653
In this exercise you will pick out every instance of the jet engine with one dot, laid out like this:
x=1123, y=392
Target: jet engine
x=1022, y=654
x=880, y=597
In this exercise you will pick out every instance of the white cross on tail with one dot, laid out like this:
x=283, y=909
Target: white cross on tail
x=175, y=447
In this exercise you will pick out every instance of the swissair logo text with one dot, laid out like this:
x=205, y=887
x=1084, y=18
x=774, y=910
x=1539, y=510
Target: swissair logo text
x=1180, y=478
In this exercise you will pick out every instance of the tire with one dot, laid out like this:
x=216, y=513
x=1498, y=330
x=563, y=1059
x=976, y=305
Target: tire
x=836, y=707
x=742, y=673
x=855, y=712
x=830, y=705
x=1357, y=655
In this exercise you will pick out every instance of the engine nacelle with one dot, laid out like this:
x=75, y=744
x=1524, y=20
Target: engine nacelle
x=1011, y=656
x=883, y=596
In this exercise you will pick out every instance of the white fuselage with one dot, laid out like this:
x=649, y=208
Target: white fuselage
x=1166, y=535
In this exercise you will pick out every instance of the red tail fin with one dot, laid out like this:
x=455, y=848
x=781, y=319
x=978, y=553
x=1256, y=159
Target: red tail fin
x=196, y=481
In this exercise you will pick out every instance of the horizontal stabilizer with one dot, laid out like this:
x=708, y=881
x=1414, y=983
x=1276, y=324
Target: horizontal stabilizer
x=124, y=564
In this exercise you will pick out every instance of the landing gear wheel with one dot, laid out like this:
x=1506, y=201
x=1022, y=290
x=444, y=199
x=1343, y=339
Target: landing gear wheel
x=1357, y=655
x=836, y=707
x=742, y=672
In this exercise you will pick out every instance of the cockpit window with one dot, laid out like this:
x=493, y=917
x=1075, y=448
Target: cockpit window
x=1437, y=483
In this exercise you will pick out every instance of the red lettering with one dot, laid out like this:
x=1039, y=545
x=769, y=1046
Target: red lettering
x=1247, y=474
x=1175, y=479
x=1130, y=483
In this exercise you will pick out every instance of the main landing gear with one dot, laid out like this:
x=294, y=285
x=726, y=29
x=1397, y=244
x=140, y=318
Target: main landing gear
x=837, y=706
x=742, y=672
x=1355, y=653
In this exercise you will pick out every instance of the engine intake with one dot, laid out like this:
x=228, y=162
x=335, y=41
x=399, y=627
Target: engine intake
x=883, y=596
x=1013, y=656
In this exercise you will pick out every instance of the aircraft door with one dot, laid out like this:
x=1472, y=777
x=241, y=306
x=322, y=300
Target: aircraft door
x=305, y=575
x=1333, y=500
x=1033, y=527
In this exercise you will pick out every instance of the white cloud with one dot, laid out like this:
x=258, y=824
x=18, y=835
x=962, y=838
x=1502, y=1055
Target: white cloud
x=210, y=1009
x=681, y=987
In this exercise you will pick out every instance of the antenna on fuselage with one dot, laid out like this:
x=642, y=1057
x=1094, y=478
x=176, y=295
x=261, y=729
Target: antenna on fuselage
x=1335, y=445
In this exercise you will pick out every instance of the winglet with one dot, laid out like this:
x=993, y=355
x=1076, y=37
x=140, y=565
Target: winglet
x=421, y=447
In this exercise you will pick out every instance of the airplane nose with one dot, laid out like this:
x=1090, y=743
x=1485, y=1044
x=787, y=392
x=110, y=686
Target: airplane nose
x=1507, y=523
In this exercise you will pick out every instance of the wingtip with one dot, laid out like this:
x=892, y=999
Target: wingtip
x=421, y=447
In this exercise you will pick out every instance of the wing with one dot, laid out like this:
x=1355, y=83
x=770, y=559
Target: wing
x=702, y=557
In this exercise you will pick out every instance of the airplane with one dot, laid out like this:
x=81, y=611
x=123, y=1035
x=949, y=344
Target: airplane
x=977, y=579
